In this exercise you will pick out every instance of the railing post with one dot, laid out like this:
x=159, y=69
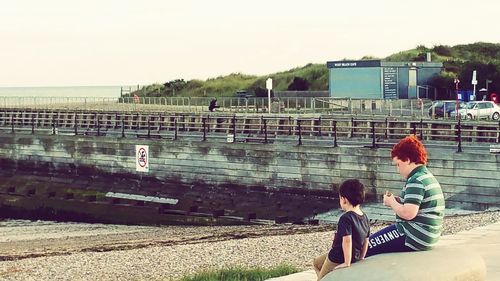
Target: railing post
x=421, y=129
x=234, y=128
x=175, y=128
x=53, y=124
x=498, y=140
x=123, y=128
x=386, y=128
x=12, y=122
x=459, y=133
x=262, y=124
x=149, y=127
x=414, y=128
x=335, y=134
x=204, y=128
x=319, y=130
x=352, y=127
x=76, y=124
x=300, y=132
x=32, y=124
x=265, y=130
x=98, y=126
x=289, y=125
x=374, y=145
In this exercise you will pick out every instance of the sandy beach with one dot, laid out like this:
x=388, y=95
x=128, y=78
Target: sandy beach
x=75, y=251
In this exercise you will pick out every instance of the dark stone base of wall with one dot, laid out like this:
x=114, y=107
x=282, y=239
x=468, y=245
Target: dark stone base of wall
x=68, y=197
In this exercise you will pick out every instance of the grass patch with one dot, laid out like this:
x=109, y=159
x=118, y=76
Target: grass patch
x=241, y=274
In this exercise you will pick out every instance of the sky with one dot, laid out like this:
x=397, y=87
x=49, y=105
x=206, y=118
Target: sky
x=131, y=42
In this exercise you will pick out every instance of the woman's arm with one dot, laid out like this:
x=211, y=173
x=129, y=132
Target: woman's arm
x=347, y=249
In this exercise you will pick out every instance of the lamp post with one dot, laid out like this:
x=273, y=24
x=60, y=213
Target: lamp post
x=487, y=83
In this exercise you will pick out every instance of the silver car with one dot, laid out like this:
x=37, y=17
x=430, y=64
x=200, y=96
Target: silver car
x=479, y=110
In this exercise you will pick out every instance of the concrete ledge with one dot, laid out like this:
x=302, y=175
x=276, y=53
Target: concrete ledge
x=439, y=264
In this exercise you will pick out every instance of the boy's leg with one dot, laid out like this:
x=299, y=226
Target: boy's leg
x=318, y=263
x=327, y=266
x=387, y=240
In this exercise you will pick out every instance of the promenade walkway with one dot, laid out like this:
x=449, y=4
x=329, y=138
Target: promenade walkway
x=483, y=240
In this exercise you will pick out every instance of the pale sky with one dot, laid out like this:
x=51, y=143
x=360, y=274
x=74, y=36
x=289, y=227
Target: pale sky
x=125, y=42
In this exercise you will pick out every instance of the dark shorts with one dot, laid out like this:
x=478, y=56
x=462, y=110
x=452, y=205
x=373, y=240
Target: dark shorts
x=335, y=257
x=387, y=240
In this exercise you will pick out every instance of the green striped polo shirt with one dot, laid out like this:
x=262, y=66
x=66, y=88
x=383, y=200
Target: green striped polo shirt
x=422, y=189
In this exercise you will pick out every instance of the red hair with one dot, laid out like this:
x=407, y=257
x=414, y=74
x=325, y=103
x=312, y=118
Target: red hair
x=410, y=148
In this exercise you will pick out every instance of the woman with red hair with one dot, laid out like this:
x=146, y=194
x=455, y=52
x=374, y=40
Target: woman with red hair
x=420, y=208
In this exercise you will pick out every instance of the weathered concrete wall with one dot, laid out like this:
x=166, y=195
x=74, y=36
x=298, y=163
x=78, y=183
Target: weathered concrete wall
x=469, y=180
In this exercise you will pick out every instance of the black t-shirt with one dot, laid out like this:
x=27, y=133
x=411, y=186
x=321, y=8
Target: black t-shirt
x=352, y=224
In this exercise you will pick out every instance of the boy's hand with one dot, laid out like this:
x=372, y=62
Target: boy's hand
x=388, y=198
x=342, y=265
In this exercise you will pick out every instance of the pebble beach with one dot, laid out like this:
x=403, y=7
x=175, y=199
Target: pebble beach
x=76, y=251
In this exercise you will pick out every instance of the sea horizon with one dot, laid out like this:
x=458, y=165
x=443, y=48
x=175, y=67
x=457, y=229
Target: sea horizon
x=107, y=91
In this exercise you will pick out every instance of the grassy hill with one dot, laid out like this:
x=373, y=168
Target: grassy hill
x=459, y=62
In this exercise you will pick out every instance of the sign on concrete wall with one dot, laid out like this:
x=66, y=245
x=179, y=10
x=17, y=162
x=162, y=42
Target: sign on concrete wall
x=142, y=158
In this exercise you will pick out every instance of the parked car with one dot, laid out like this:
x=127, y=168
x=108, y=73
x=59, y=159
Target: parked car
x=479, y=110
x=442, y=107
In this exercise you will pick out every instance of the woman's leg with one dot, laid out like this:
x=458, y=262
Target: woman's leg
x=387, y=240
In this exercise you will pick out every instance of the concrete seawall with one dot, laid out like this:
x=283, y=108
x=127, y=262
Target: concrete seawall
x=259, y=180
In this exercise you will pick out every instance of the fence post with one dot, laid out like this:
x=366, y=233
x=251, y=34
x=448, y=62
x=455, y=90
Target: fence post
x=234, y=128
x=53, y=124
x=459, y=136
x=12, y=122
x=76, y=125
x=175, y=128
x=374, y=145
x=262, y=120
x=421, y=129
x=290, y=126
x=300, y=132
x=32, y=124
x=98, y=126
x=335, y=134
x=414, y=128
x=352, y=127
x=498, y=140
x=265, y=130
x=123, y=128
x=386, y=127
x=149, y=127
x=319, y=130
x=203, y=119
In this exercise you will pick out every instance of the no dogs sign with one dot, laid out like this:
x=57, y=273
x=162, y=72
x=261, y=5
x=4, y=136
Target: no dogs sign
x=142, y=158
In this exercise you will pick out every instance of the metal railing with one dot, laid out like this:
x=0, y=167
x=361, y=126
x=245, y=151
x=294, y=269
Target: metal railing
x=373, y=132
x=283, y=105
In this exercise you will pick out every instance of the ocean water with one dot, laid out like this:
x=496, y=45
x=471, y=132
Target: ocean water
x=67, y=92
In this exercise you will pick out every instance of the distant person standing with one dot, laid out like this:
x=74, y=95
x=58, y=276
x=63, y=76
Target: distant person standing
x=420, y=208
x=213, y=105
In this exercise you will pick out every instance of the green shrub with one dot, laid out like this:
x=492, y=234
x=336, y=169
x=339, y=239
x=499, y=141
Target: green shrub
x=241, y=274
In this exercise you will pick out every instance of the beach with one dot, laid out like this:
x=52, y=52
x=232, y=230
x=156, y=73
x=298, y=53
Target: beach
x=75, y=251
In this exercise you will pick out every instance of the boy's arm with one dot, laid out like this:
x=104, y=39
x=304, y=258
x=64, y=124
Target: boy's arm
x=364, y=249
x=405, y=211
x=347, y=249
